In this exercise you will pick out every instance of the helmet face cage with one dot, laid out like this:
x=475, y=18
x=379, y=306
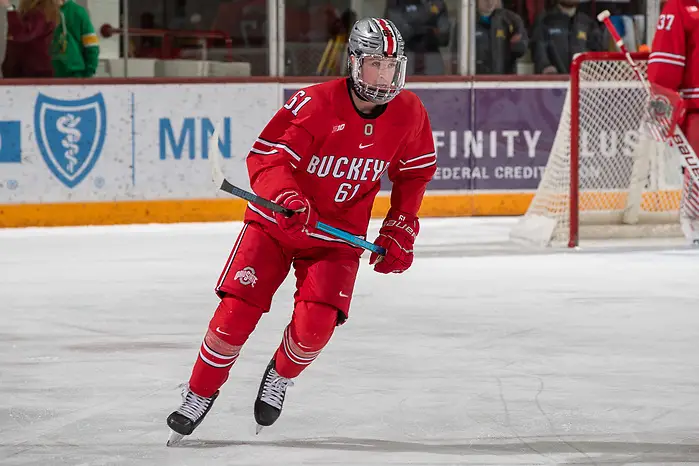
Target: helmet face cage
x=377, y=60
x=379, y=79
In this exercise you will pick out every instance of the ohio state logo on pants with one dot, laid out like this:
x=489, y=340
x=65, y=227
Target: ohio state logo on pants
x=246, y=276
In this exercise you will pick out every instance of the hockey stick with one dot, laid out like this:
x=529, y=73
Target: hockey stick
x=675, y=134
x=223, y=184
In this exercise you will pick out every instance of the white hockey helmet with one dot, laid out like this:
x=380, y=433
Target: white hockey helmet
x=376, y=60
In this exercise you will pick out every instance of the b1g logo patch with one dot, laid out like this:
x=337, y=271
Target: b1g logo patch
x=70, y=135
x=246, y=276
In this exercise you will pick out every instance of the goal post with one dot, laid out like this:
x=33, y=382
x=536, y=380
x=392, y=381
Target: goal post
x=606, y=177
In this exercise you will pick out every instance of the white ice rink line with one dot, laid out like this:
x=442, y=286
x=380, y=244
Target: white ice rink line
x=468, y=358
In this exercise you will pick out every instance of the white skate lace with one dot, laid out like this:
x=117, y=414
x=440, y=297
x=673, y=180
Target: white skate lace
x=275, y=388
x=193, y=406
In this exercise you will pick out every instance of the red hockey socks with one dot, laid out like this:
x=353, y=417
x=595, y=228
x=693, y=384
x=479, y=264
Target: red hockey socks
x=230, y=327
x=311, y=327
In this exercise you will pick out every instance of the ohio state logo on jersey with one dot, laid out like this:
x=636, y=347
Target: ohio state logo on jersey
x=246, y=276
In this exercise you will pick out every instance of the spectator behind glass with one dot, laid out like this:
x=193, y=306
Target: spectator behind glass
x=75, y=47
x=29, y=32
x=424, y=25
x=559, y=33
x=500, y=39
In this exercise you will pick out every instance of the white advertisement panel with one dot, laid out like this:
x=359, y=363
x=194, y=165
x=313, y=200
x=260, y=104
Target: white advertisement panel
x=126, y=142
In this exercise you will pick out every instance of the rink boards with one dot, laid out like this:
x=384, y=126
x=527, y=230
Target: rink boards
x=111, y=151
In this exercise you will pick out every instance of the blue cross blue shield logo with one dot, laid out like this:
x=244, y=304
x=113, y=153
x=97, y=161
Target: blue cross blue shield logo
x=70, y=135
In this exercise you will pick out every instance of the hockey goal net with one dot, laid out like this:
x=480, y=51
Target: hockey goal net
x=606, y=177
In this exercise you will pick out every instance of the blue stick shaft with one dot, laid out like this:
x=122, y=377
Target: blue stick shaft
x=350, y=238
x=336, y=232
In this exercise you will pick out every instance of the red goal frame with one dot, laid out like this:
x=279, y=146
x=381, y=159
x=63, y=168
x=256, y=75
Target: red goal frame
x=576, y=64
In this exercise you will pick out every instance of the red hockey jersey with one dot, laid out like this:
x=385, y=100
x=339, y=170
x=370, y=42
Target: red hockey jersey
x=318, y=143
x=674, y=58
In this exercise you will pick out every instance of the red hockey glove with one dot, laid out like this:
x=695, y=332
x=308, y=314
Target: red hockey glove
x=397, y=235
x=297, y=225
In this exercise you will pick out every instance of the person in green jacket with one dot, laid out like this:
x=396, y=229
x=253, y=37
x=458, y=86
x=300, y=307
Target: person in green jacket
x=75, y=47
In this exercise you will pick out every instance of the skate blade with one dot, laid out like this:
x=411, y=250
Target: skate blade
x=174, y=438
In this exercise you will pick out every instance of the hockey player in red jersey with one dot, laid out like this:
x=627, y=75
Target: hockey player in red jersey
x=322, y=155
x=674, y=64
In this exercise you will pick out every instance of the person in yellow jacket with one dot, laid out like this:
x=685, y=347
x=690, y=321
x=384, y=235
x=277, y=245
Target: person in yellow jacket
x=75, y=47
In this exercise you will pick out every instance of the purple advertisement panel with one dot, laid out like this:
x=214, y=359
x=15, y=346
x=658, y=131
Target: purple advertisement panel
x=503, y=144
x=517, y=128
x=491, y=138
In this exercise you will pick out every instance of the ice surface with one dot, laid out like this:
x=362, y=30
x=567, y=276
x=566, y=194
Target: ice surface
x=468, y=358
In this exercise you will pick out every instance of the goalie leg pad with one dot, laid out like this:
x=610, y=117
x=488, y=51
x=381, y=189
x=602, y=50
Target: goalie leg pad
x=689, y=210
x=690, y=197
x=689, y=207
x=229, y=329
x=310, y=329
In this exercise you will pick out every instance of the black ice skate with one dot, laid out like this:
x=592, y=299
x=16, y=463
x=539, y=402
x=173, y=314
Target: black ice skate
x=270, y=397
x=189, y=415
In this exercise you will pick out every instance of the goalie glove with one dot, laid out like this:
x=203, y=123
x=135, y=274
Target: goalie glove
x=397, y=235
x=304, y=218
x=666, y=111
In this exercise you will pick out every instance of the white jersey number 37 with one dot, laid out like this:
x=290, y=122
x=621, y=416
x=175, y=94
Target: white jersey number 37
x=665, y=22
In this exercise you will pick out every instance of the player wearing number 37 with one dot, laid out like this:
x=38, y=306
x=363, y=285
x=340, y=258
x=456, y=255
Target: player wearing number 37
x=674, y=64
x=322, y=155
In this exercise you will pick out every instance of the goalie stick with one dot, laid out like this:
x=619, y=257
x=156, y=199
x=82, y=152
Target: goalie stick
x=223, y=184
x=675, y=135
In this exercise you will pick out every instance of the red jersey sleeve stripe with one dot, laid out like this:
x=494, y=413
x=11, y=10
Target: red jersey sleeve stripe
x=666, y=60
x=673, y=56
x=263, y=152
x=424, y=165
x=280, y=146
x=419, y=157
